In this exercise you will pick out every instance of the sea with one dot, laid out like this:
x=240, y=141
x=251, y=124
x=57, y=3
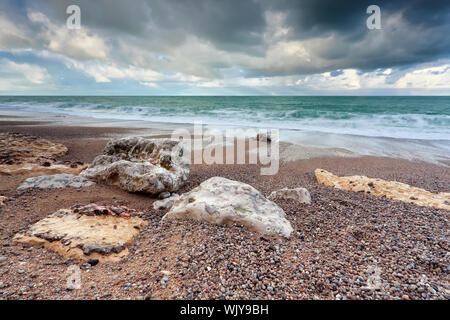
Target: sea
x=413, y=127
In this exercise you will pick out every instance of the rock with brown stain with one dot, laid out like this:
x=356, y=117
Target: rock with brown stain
x=85, y=237
x=141, y=165
x=382, y=188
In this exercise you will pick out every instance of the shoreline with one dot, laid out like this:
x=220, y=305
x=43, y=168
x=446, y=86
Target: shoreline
x=294, y=145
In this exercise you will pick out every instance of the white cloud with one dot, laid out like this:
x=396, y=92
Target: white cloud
x=428, y=77
x=79, y=44
x=104, y=72
x=21, y=75
x=149, y=84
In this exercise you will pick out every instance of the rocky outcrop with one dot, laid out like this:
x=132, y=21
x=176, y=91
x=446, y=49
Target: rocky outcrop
x=166, y=203
x=382, y=188
x=222, y=201
x=300, y=195
x=17, y=147
x=141, y=165
x=55, y=181
x=33, y=156
x=77, y=234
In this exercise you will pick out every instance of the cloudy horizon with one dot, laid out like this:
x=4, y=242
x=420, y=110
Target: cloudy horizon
x=205, y=47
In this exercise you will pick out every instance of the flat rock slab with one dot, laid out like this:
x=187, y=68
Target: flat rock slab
x=54, y=181
x=382, y=188
x=33, y=156
x=35, y=169
x=222, y=201
x=84, y=237
x=17, y=146
x=141, y=165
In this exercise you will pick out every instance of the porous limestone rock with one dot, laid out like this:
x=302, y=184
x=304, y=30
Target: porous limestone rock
x=300, y=195
x=72, y=234
x=222, y=201
x=141, y=165
x=382, y=188
x=33, y=156
x=54, y=181
x=166, y=203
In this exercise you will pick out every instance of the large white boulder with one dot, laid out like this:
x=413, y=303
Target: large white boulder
x=141, y=165
x=223, y=201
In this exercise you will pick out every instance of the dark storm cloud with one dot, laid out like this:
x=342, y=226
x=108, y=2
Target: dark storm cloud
x=310, y=18
x=228, y=24
x=428, y=20
x=414, y=31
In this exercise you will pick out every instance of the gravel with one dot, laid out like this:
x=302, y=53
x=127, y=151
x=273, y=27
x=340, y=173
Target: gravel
x=345, y=245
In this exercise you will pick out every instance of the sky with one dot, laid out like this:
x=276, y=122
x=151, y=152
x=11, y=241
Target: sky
x=232, y=47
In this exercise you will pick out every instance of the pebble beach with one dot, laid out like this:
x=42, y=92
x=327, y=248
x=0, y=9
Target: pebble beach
x=344, y=245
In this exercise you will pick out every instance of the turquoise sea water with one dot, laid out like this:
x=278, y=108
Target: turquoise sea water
x=426, y=118
x=404, y=127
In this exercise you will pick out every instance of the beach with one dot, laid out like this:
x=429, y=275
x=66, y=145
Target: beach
x=342, y=243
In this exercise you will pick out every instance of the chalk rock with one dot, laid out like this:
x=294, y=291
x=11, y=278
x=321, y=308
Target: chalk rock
x=389, y=189
x=33, y=156
x=222, y=201
x=141, y=165
x=166, y=203
x=300, y=195
x=75, y=235
x=54, y=181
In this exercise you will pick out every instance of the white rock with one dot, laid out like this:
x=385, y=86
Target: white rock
x=141, y=165
x=222, y=201
x=54, y=181
x=300, y=195
x=166, y=203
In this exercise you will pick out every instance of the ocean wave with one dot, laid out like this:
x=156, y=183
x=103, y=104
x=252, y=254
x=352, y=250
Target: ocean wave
x=428, y=125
